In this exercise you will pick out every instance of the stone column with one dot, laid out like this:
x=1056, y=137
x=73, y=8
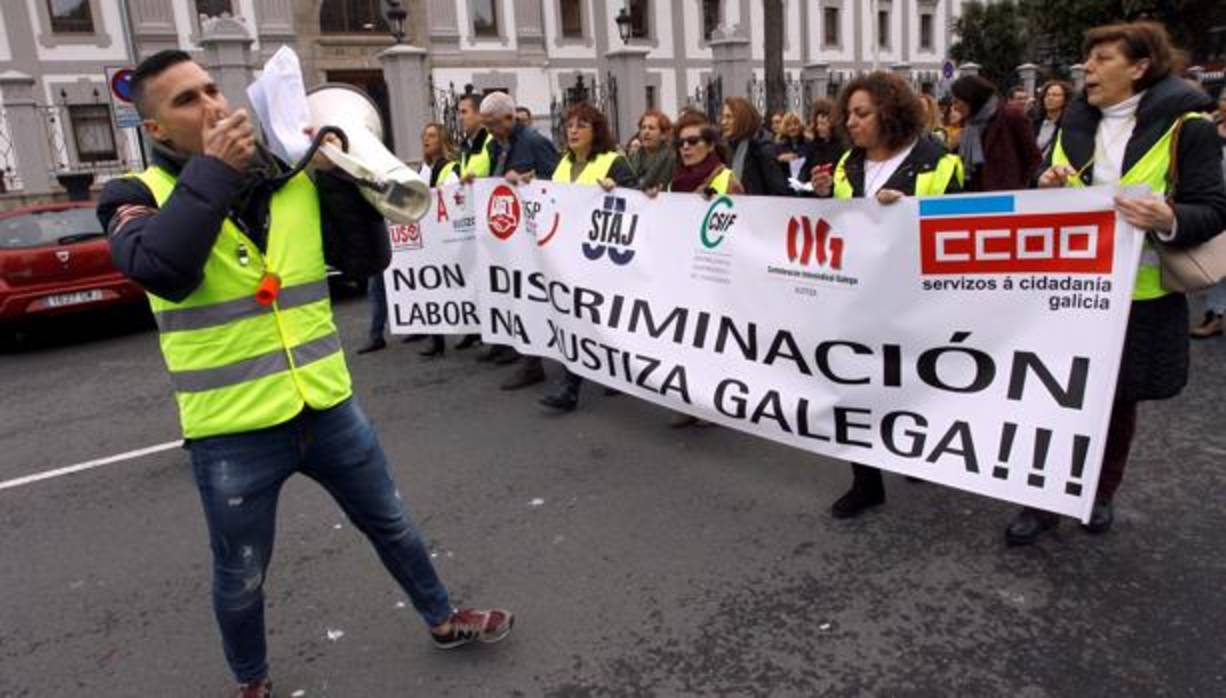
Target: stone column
x=1079, y=76
x=629, y=68
x=1029, y=72
x=816, y=76
x=968, y=69
x=408, y=91
x=226, y=43
x=26, y=130
x=731, y=60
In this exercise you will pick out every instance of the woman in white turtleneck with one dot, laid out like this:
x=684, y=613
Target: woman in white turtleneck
x=1119, y=132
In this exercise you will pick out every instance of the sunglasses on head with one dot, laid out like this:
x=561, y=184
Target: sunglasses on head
x=690, y=141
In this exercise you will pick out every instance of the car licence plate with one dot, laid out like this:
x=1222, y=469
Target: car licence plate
x=76, y=298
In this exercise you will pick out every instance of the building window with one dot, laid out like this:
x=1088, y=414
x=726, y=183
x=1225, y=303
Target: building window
x=71, y=17
x=883, y=28
x=925, y=32
x=214, y=8
x=639, y=24
x=830, y=26
x=651, y=96
x=710, y=17
x=572, y=19
x=352, y=17
x=485, y=18
x=91, y=129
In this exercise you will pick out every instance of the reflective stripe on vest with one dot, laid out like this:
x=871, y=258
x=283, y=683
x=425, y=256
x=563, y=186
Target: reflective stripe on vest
x=932, y=183
x=237, y=365
x=1150, y=169
x=477, y=164
x=594, y=171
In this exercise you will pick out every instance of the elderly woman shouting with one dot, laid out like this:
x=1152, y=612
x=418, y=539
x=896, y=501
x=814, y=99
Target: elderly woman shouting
x=1138, y=123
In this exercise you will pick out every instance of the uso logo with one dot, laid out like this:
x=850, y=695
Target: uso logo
x=983, y=235
x=808, y=242
x=405, y=236
x=503, y=212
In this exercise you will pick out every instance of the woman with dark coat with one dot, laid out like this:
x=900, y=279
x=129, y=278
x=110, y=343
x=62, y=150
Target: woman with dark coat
x=1119, y=132
x=1054, y=97
x=997, y=145
x=752, y=156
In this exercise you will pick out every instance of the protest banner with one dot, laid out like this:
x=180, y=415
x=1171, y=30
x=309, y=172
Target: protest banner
x=972, y=341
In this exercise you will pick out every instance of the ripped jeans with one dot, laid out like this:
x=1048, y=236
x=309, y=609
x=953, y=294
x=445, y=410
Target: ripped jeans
x=240, y=476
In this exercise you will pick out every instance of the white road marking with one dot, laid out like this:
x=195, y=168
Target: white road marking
x=87, y=465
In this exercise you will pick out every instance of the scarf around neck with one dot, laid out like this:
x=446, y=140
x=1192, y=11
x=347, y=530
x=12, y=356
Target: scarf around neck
x=970, y=149
x=689, y=178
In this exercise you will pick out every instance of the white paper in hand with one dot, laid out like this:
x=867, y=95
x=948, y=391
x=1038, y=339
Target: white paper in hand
x=279, y=100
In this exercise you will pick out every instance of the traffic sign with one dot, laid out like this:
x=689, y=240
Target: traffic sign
x=119, y=80
x=947, y=70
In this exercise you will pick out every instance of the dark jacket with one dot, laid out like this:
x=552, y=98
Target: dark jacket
x=1155, y=362
x=821, y=152
x=762, y=174
x=923, y=158
x=1011, y=158
x=527, y=151
x=164, y=250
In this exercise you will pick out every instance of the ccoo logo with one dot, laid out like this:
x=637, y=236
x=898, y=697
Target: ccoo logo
x=612, y=232
x=807, y=243
x=503, y=212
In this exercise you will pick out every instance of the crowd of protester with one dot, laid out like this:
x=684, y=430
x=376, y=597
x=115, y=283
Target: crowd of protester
x=883, y=139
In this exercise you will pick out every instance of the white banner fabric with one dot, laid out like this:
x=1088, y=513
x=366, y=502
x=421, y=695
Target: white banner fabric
x=972, y=341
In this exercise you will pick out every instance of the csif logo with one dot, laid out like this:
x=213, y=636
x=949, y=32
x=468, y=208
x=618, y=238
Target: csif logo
x=503, y=212
x=808, y=243
x=985, y=235
x=717, y=223
x=612, y=232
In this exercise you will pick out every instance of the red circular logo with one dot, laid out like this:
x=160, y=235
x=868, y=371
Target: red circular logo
x=503, y=212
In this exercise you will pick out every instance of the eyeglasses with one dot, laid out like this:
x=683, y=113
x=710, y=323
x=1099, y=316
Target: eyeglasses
x=690, y=141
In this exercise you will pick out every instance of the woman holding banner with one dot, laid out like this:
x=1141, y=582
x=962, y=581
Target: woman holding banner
x=889, y=159
x=591, y=158
x=1138, y=123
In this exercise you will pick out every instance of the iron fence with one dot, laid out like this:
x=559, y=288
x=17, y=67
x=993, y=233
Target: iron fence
x=602, y=95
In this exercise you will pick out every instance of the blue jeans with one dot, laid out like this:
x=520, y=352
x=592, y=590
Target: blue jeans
x=240, y=476
x=378, y=306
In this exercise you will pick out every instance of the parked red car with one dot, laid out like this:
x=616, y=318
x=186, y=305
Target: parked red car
x=54, y=259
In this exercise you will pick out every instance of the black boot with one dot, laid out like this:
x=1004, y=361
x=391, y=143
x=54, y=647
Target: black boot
x=375, y=344
x=469, y=341
x=530, y=373
x=1028, y=524
x=410, y=338
x=1101, y=517
x=492, y=353
x=436, y=348
x=566, y=399
x=867, y=491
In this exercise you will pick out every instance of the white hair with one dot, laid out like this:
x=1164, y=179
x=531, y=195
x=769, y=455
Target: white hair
x=498, y=104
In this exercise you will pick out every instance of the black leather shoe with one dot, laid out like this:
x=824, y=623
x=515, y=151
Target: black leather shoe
x=436, y=348
x=1028, y=525
x=528, y=374
x=507, y=356
x=373, y=345
x=564, y=400
x=856, y=502
x=410, y=338
x=491, y=353
x=1101, y=517
x=469, y=341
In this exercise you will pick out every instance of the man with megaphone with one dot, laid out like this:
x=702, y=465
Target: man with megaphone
x=230, y=245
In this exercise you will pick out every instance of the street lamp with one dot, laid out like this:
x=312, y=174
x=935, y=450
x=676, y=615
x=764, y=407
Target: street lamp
x=623, y=24
x=395, y=19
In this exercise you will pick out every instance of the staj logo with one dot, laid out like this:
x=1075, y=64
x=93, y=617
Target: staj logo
x=503, y=212
x=717, y=223
x=808, y=242
x=405, y=236
x=612, y=232
x=983, y=235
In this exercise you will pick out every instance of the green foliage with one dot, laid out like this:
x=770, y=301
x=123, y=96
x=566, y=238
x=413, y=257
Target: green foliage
x=992, y=36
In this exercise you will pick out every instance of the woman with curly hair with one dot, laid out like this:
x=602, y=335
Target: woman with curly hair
x=890, y=158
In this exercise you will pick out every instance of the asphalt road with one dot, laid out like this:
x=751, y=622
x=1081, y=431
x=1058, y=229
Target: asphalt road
x=640, y=560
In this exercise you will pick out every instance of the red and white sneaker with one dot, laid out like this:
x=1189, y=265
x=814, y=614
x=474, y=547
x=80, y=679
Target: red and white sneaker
x=475, y=625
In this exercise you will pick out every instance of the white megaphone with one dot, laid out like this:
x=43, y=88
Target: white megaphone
x=398, y=192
